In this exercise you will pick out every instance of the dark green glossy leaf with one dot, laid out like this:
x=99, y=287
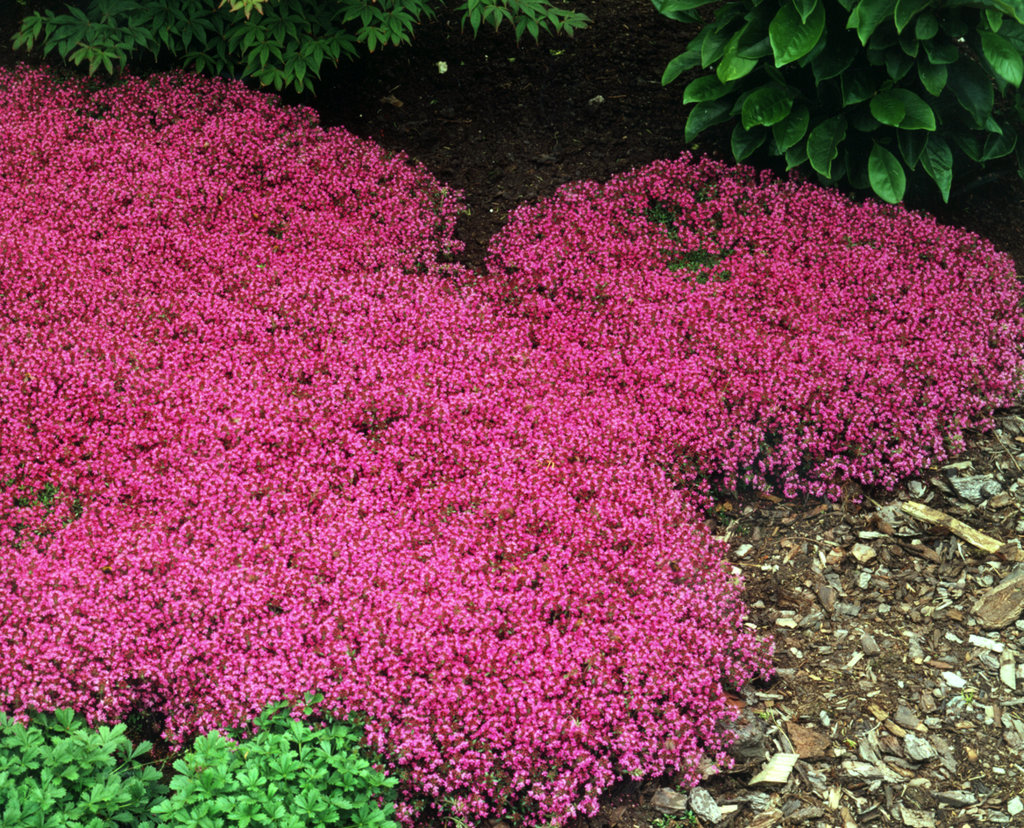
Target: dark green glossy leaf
x=705, y=88
x=937, y=161
x=732, y=67
x=1011, y=8
x=680, y=10
x=994, y=18
x=941, y=51
x=679, y=64
x=862, y=120
x=972, y=89
x=823, y=144
x=713, y=45
x=746, y=142
x=704, y=115
x=842, y=51
x=805, y=8
x=926, y=27
x=910, y=44
x=1004, y=58
x=857, y=86
x=867, y=15
x=887, y=108
x=970, y=144
x=919, y=115
x=791, y=38
x=788, y=132
x=911, y=144
x=933, y=77
x=796, y=156
x=906, y=10
x=754, y=50
x=767, y=105
x=753, y=42
x=998, y=146
x=897, y=63
x=885, y=172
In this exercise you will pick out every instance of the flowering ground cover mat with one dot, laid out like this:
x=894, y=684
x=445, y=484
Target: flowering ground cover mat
x=258, y=440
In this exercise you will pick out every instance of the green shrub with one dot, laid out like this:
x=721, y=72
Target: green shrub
x=57, y=771
x=280, y=43
x=288, y=775
x=860, y=90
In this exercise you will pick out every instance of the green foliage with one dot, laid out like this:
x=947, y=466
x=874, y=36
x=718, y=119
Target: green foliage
x=287, y=775
x=866, y=91
x=59, y=772
x=280, y=43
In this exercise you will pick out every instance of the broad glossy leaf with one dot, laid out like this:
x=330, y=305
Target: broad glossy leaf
x=705, y=115
x=753, y=42
x=841, y=52
x=919, y=115
x=906, y=10
x=704, y=88
x=992, y=125
x=731, y=66
x=910, y=44
x=867, y=15
x=911, y=144
x=941, y=51
x=1003, y=57
x=857, y=86
x=926, y=27
x=937, y=160
x=933, y=77
x=754, y=50
x=998, y=146
x=861, y=119
x=788, y=132
x=805, y=8
x=823, y=144
x=791, y=38
x=746, y=142
x=887, y=107
x=1011, y=8
x=973, y=89
x=679, y=64
x=885, y=172
x=678, y=9
x=796, y=156
x=897, y=63
x=994, y=18
x=713, y=45
x=971, y=145
x=767, y=105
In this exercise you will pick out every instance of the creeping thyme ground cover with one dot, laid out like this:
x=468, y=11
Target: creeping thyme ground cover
x=258, y=441
x=764, y=332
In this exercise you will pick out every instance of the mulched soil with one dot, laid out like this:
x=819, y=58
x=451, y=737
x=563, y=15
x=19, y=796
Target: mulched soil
x=903, y=707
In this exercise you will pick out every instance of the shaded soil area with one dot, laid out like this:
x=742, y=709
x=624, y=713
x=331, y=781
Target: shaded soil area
x=873, y=609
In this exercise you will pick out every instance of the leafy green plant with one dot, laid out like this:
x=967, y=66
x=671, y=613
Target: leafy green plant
x=280, y=43
x=58, y=771
x=288, y=774
x=864, y=91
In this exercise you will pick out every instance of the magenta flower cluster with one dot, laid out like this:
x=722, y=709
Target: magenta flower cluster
x=762, y=332
x=258, y=439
